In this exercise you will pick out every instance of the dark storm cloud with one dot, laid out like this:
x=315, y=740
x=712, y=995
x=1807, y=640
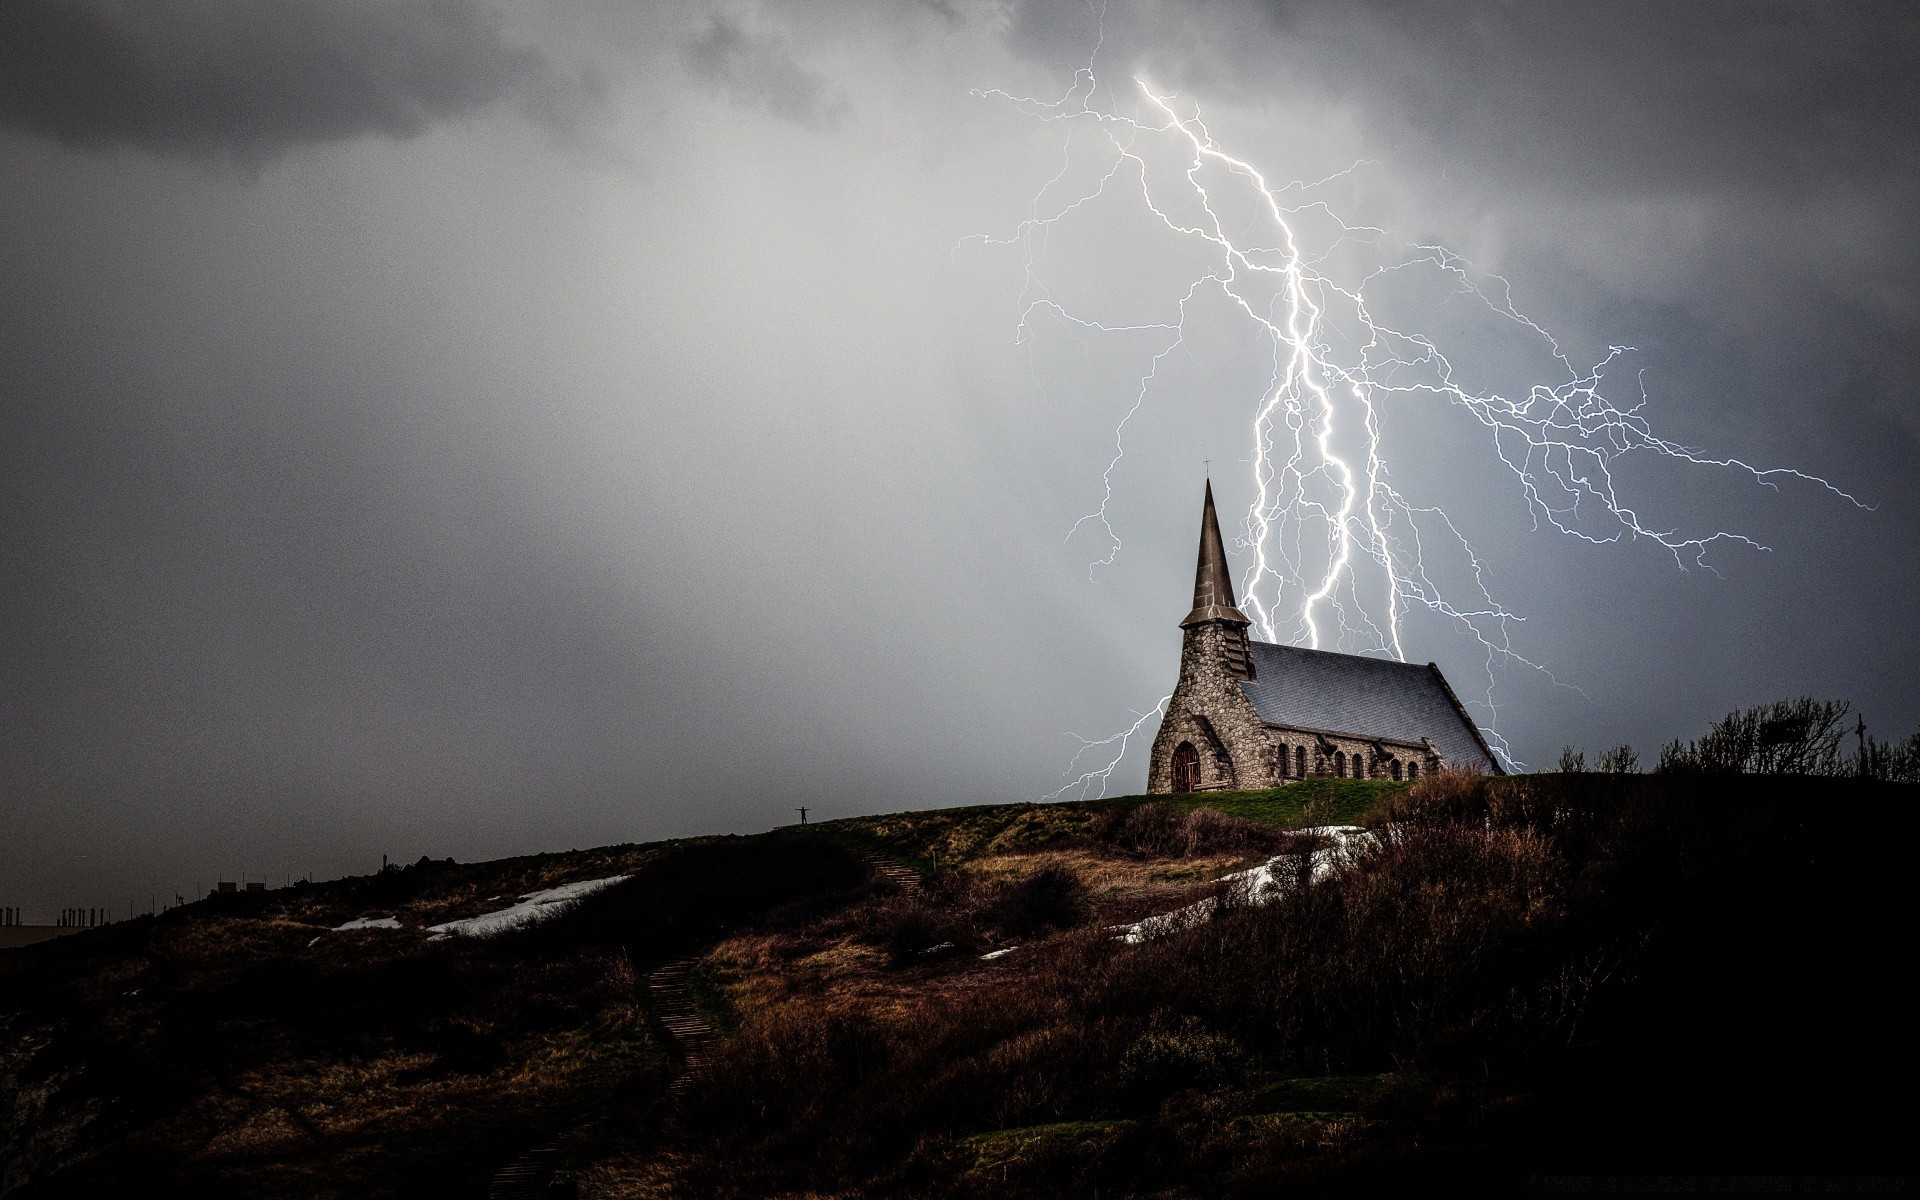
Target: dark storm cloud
x=1768, y=152
x=1788, y=129
x=1611, y=95
x=479, y=493
x=249, y=79
x=759, y=69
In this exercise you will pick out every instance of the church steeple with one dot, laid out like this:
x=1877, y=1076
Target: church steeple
x=1212, y=585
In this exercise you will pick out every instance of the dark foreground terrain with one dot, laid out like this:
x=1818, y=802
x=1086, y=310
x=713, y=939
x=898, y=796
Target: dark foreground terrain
x=1544, y=974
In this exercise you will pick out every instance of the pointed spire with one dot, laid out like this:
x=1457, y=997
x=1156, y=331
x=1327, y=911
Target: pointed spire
x=1212, y=585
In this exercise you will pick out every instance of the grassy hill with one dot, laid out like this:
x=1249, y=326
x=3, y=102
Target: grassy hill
x=1546, y=973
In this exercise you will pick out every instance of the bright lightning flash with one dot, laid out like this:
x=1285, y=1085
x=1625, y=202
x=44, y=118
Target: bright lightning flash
x=1340, y=555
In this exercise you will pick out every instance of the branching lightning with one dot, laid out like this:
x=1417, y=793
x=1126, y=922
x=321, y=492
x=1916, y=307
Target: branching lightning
x=1116, y=749
x=1340, y=555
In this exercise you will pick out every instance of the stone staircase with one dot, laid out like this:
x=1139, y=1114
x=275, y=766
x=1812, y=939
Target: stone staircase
x=901, y=877
x=674, y=1005
x=529, y=1177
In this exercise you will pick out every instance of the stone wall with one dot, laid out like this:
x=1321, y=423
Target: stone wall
x=1237, y=748
x=1329, y=755
x=1209, y=709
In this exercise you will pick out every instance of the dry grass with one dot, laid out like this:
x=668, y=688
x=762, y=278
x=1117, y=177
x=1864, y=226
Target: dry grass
x=1508, y=967
x=1498, y=927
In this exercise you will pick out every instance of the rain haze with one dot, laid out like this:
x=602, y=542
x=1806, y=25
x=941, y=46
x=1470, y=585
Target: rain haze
x=434, y=429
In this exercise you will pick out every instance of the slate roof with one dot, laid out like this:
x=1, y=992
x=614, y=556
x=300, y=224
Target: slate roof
x=1363, y=697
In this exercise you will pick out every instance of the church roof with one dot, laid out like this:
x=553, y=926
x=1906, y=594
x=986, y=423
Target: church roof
x=1212, y=585
x=1351, y=694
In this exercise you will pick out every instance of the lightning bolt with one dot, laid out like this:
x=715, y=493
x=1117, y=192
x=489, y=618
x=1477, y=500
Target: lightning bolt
x=1340, y=554
x=1116, y=746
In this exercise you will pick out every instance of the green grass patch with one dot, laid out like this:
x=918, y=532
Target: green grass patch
x=710, y=1000
x=626, y=1046
x=1320, y=1096
x=1285, y=807
x=1182, y=874
x=950, y=836
x=1003, y=1147
x=944, y=836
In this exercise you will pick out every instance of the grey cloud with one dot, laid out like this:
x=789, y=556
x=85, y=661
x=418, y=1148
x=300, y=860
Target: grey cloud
x=1644, y=94
x=759, y=69
x=248, y=80
x=489, y=497
x=1607, y=94
x=1771, y=147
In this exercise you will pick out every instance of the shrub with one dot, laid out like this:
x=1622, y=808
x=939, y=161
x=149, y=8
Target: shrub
x=1621, y=760
x=1161, y=830
x=1897, y=762
x=1051, y=898
x=908, y=924
x=1152, y=829
x=1504, y=936
x=1787, y=737
x=1166, y=1060
x=1437, y=796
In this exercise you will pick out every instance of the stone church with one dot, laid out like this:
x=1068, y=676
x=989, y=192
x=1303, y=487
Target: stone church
x=1248, y=714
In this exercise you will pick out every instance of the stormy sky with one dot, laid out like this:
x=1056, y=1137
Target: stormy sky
x=427, y=428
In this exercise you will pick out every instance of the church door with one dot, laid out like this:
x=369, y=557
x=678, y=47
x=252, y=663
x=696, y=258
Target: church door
x=1186, y=768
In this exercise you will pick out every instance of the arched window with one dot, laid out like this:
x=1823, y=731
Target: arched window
x=1339, y=762
x=1300, y=762
x=1186, y=768
x=1284, y=760
x=1359, y=764
x=1396, y=769
x=1413, y=770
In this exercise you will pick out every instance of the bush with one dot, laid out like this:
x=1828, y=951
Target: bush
x=1621, y=760
x=1161, y=830
x=1166, y=1060
x=1608, y=946
x=1051, y=898
x=1787, y=737
x=960, y=910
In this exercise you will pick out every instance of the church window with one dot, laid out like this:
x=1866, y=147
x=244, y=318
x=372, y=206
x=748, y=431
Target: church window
x=1413, y=771
x=1396, y=769
x=1339, y=762
x=1186, y=768
x=1283, y=760
x=1359, y=765
x=1300, y=761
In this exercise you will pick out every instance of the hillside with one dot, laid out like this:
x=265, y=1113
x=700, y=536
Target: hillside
x=1559, y=973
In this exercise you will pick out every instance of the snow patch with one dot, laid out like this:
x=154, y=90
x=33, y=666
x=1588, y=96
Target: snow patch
x=369, y=923
x=1257, y=885
x=532, y=908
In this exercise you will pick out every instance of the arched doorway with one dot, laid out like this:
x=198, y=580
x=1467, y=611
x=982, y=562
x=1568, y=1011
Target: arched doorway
x=1186, y=768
